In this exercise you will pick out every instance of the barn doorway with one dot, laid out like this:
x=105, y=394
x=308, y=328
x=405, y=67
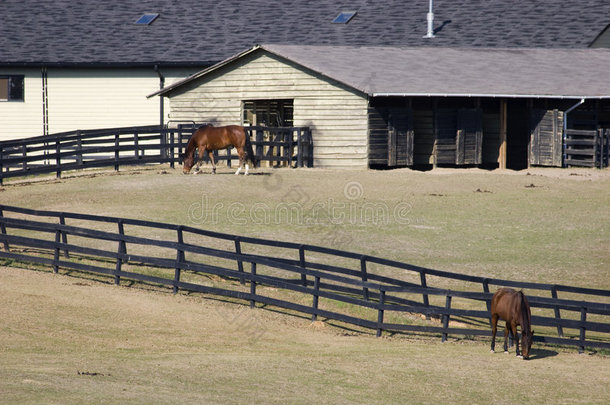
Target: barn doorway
x=517, y=134
x=268, y=113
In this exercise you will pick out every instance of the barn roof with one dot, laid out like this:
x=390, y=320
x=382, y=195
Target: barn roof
x=203, y=32
x=428, y=71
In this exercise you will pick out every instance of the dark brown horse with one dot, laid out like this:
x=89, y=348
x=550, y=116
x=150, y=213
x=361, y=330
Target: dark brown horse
x=212, y=138
x=512, y=306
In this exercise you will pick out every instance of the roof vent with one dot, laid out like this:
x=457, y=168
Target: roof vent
x=344, y=17
x=430, y=18
x=147, y=19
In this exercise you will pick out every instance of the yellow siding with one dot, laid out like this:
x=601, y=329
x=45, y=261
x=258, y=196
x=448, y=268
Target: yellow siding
x=336, y=114
x=85, y=99
x=19, y=119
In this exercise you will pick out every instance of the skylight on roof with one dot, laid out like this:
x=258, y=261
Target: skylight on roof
x=344, y=17
x=147, y=19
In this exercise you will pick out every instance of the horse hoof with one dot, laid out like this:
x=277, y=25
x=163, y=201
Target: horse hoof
x=492, y=351
x=520, y=357
x=506, y=352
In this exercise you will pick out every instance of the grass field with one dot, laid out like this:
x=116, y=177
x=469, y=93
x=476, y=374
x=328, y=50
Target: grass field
x=137, y=345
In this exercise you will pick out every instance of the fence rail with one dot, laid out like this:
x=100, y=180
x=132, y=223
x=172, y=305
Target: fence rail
x=115, y=147
x=181, y=261
x=588, y=148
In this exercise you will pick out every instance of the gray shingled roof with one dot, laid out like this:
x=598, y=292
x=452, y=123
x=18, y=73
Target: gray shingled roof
x=203, y=32
x=425, y=71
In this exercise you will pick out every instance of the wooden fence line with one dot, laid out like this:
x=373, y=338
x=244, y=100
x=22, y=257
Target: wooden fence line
x=381, y=295
x=117, y=147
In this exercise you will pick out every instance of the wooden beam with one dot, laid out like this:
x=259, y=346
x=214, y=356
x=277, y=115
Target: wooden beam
x=502, y=154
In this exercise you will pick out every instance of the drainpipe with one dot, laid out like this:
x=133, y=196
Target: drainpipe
x=565, y=128
x=161, y=103
x=430, y=18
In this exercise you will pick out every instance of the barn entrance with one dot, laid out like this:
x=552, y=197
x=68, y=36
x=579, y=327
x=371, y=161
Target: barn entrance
x=517, y=134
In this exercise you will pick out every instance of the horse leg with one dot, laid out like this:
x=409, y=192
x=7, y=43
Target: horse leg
x=516, y=338
x=211, y=154
x=506, y=338
x=240, y=152
x=494, y=329
x=200, y=161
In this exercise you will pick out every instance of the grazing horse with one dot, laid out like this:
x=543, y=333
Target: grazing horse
x=512, y=306
x=212, y=138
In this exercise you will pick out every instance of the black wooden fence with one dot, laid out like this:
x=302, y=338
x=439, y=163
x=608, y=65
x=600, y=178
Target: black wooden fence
x=587, y=148
x=358, y=289
x=115, y=147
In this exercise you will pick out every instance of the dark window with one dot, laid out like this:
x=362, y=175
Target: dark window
x=269, y=113
x=11, y=88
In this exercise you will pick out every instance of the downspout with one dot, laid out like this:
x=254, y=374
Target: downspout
x=161, y=101
x=565, y=129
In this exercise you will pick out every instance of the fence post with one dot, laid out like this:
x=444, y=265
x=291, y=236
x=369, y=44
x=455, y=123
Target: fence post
x=116, y=152
x=179, y=259
x=583, y=319
x=253, y=284
x=316, y=291
x=446, y=318
x=79, y=148
x=56, y=251
x=24, y=154
x=486, y=290
x=299, y=148
x=557, y=313
x=302, y=264
x=380, y=312
x=422, y=277
x=64, y=235
x=136, y=146
x=240, y=264
x=3, y=230
x=57, y=159
x=1, y=165
x=259, y=145
x=122, y=251
x=365, y=290
x=172, y=147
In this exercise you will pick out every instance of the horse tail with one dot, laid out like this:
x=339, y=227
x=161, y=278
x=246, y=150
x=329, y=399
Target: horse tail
x=249, y=151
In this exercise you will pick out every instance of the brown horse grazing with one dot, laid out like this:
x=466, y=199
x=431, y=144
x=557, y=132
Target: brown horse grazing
x=212, y=138
x=512, y=306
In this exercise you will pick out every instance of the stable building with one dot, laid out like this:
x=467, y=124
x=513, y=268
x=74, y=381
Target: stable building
x=376, y=106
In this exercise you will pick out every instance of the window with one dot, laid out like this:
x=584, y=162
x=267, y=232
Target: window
x=147, y=19
x=344, y=17
x=11, y=88
x=269, y=113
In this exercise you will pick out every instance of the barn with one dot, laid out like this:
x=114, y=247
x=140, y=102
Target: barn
x=375, y=106
x=66, y=66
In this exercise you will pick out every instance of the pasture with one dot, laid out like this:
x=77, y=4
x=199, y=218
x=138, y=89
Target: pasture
x=143, y=345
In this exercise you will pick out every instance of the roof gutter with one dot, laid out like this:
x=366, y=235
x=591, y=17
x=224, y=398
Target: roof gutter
x=494, y=95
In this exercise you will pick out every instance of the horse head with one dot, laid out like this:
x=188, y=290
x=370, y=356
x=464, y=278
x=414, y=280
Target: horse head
x=527, y=337
x=187, y=162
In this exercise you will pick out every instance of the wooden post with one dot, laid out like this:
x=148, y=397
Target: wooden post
x=3, y=230
x=380, y=312
x=446, y=318
x=56, y=253
x=503, y=152
x=116, y=152
x=240, y=264
x=557, y=313
x=79, y=148
x=1, y=165
x=299, y=148
x=365, y=290
x=64, y=236
x=422, y=277
x=316, y=289
x=253, y=284
x=121, y=251
x=136, y=147
x=583, y=318
x=57, y=159
x=179, y=259
x=302, y=264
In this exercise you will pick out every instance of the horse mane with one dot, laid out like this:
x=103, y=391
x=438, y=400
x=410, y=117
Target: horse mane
x=525, y=314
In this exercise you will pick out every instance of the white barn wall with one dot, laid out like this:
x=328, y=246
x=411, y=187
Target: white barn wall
x=19, y=119
x=336, y=114
x=85, y=99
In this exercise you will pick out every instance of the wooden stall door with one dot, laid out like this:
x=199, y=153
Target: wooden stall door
x=469, y=142
x=391, y=136
x=546, y=138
